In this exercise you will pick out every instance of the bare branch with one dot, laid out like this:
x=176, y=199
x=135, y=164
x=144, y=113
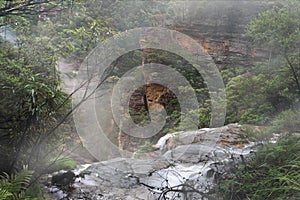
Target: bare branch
x=29, y=7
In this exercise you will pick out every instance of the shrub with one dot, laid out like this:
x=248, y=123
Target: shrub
x=145, y=148
x=61, y=163
x=288, y=121
x=274, y=173
x=255, y=133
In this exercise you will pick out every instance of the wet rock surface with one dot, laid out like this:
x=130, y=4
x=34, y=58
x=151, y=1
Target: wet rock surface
x=187, y=164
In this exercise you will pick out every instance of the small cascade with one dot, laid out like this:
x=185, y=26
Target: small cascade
x=186, y=165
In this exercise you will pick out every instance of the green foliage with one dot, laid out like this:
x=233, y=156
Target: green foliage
x=31, y=102
x=60, y=163
x=287, y=121
x=144, y=148
x=75, y=38
x=272, y=174
x=4, y=194
x=13, y=187
x=173, y=119
x=255, y=133
x=10, y=8
x=125, y=15
x=247, y=99
x=258, y=94
x=278, y=27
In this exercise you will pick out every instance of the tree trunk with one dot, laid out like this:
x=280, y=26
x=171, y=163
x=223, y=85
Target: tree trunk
x=294, y=73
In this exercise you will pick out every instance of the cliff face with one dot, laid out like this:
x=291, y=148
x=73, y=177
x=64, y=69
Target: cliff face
x=226, y=49
x=151, y=94
x=219, y=27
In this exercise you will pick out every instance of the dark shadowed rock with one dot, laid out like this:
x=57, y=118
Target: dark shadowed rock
x=63, y=179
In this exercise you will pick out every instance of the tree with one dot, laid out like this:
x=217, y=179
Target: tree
x=31, y=102
x=30, y=7
x=278, y=29
x=34, y=110
x=247, y=99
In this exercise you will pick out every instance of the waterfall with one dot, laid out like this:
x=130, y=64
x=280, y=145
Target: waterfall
x=8, y=34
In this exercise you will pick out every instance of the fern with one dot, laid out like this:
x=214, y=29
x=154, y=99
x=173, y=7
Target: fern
x=13, y=187
x=5, y=194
